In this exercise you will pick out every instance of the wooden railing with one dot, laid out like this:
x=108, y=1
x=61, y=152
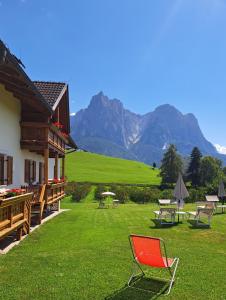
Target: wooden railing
x=56, y=139
x=54, y=192
x=39, y=135
x=15, y=214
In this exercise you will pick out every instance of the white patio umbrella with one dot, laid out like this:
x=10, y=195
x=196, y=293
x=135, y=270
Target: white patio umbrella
x=221, y=191
x=108, y=194
x=180, y=192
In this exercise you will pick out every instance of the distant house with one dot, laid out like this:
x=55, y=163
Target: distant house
x=34, y=130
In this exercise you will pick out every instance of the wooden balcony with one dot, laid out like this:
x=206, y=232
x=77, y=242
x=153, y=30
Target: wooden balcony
x=15, y=214
x=38, y=136
x=54, y=192
x=45, y=197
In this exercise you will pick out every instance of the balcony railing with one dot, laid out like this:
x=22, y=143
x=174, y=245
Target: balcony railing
x=55, y=192
x=15, y=214
x=37, y=136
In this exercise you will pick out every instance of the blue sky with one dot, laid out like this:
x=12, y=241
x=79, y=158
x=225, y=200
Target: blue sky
x=143, y=52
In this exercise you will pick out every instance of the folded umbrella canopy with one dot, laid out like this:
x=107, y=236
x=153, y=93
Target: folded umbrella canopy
x=180, y=192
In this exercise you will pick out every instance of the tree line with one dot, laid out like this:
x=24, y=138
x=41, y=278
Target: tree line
x=201, y=170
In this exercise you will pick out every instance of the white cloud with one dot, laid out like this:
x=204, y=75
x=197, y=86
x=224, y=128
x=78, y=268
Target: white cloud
x=72, y=114
x=220, y=149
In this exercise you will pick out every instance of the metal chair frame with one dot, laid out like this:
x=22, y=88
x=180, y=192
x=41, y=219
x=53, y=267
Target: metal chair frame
x=171, y=214
x=137, y=265
x=208, y=212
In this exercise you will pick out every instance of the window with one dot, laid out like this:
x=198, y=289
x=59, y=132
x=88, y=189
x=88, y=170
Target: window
x=41, y=172
x=6, y=169
x=30, y=171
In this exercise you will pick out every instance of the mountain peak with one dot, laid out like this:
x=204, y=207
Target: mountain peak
x=167, y=108
x=99, y=100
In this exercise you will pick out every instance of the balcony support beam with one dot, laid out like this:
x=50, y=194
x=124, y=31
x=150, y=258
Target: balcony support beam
x=46, y=165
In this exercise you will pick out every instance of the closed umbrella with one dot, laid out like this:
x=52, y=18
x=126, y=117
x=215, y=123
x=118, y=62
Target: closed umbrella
x=221, y=191
x=180, y=192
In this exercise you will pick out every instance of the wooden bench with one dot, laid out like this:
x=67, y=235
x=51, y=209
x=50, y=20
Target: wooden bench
x=15, y=214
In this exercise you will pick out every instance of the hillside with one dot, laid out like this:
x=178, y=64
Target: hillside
x=83, y=166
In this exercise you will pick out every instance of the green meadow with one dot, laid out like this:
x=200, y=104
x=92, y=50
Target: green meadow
x=84, y=254
x=90, y=167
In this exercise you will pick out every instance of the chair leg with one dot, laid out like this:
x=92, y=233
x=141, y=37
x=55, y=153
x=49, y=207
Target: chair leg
x=135, y=266
x=173, y=276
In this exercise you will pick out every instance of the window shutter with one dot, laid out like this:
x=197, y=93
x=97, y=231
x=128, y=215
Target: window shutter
x=43, y=170
x=40, y=173
x=27, y=171
x=34, y=171
x=1, y=169
x=9, y=170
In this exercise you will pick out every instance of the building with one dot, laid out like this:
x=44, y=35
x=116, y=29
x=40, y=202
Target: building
x=34, y=133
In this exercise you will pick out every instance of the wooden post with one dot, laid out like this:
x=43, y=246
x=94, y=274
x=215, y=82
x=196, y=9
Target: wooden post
x=63, y=168
x=46, y=165
x=56, y=166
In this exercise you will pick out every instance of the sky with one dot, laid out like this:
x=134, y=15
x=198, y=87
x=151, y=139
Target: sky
x=143, y=52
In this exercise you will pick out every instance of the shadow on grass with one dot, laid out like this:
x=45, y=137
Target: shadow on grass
x=158, y=224
x=200, y=225
x=143, y=288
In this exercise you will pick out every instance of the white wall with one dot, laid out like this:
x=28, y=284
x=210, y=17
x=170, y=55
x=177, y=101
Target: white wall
x=10, y=114
x=51, y=168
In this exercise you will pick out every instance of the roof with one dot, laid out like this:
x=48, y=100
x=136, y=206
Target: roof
x=9, y=60
x=51, y=91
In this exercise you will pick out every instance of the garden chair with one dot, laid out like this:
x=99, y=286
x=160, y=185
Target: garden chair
x=202, y=212
x=215, y=200
x=165, y=213
x=151, y=252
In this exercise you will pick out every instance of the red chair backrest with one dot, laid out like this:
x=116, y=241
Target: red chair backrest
x=147, y=251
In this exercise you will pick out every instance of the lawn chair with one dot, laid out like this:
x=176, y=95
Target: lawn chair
x=205, y=204
x=215, y=200
x=150, y=251
x=164, y=213
x=202, y=212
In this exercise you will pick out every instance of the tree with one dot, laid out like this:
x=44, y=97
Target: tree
x=210, y=170
x=193, y=172
x=153, y=165
x=171, y=166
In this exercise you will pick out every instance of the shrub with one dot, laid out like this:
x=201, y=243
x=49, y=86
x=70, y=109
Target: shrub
x=121, y=192
x=141, y=195
x=79, y=191
x=99, y=190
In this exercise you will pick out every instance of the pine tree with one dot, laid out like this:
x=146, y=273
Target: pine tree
x=171, y=166
x=194, y=167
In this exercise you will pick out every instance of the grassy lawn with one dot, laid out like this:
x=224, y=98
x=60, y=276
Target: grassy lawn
x=84, y=254
x=82, y=166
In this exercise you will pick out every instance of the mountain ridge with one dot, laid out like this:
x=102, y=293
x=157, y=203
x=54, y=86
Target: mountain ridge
x=106, y=127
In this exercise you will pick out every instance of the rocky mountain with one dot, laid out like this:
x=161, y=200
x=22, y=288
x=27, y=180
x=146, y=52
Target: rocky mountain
x=106, y=127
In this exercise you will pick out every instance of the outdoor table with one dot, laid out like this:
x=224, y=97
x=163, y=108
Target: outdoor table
x=181, y=213
x=115, y=202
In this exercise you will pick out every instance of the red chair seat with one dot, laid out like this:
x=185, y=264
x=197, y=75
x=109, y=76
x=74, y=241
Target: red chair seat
x=154, y=261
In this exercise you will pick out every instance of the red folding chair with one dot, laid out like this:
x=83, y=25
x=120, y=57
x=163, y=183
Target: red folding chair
x=151, y=252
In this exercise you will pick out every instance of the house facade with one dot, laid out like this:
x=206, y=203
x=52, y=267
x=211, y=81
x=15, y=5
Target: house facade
x=34, y=126
x=34, y=136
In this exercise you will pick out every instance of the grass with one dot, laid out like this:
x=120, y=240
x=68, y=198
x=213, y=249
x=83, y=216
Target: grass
x=82, y=166
x=84, y=254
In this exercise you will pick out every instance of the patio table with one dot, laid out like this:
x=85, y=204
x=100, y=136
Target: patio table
x=181, y=213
